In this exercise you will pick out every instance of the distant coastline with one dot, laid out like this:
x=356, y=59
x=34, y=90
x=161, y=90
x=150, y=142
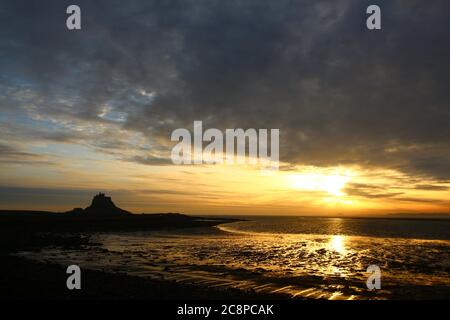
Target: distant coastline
x=22, y=231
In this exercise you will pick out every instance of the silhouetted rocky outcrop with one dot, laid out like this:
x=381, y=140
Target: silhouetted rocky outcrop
x=101, y=216
x=101, y=206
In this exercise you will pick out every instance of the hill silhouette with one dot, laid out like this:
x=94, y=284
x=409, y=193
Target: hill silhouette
x=101, y=216
x=101, y=206
x=27, y=230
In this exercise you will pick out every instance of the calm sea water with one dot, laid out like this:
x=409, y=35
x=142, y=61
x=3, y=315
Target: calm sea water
x=294, y=256
x=437, y=229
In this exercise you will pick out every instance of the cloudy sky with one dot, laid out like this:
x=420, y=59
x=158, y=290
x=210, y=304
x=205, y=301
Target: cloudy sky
x=364, y=116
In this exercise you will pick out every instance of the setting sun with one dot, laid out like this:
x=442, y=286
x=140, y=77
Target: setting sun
x=331, y=183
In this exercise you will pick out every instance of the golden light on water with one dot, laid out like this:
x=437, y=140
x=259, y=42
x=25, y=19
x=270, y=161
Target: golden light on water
x=337, y=243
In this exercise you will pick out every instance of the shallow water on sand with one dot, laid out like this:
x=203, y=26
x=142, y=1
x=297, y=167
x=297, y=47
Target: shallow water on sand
x=326, y=260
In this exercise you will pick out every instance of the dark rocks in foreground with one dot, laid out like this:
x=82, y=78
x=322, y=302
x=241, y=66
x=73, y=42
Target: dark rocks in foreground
x=25, y=279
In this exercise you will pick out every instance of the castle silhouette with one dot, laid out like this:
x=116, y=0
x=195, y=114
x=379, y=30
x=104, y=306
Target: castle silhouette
x=101, y=206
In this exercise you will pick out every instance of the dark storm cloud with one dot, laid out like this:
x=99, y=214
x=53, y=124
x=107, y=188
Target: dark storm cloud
x=339, y=93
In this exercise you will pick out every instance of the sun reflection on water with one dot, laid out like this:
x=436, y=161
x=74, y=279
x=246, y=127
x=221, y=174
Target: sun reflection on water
x=337, y=243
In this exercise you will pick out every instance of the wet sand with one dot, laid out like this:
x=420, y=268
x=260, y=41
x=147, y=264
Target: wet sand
x=211, y=259
x=22, y=278
x=195, y=259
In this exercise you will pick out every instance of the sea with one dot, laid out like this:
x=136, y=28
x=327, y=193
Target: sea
x=290, y=257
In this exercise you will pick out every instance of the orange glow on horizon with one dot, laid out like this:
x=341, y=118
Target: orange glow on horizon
x=231, y=189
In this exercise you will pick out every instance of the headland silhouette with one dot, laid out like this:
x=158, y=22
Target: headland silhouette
x=32, y=231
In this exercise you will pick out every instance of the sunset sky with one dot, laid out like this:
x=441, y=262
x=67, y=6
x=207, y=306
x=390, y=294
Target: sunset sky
x=364, y=116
